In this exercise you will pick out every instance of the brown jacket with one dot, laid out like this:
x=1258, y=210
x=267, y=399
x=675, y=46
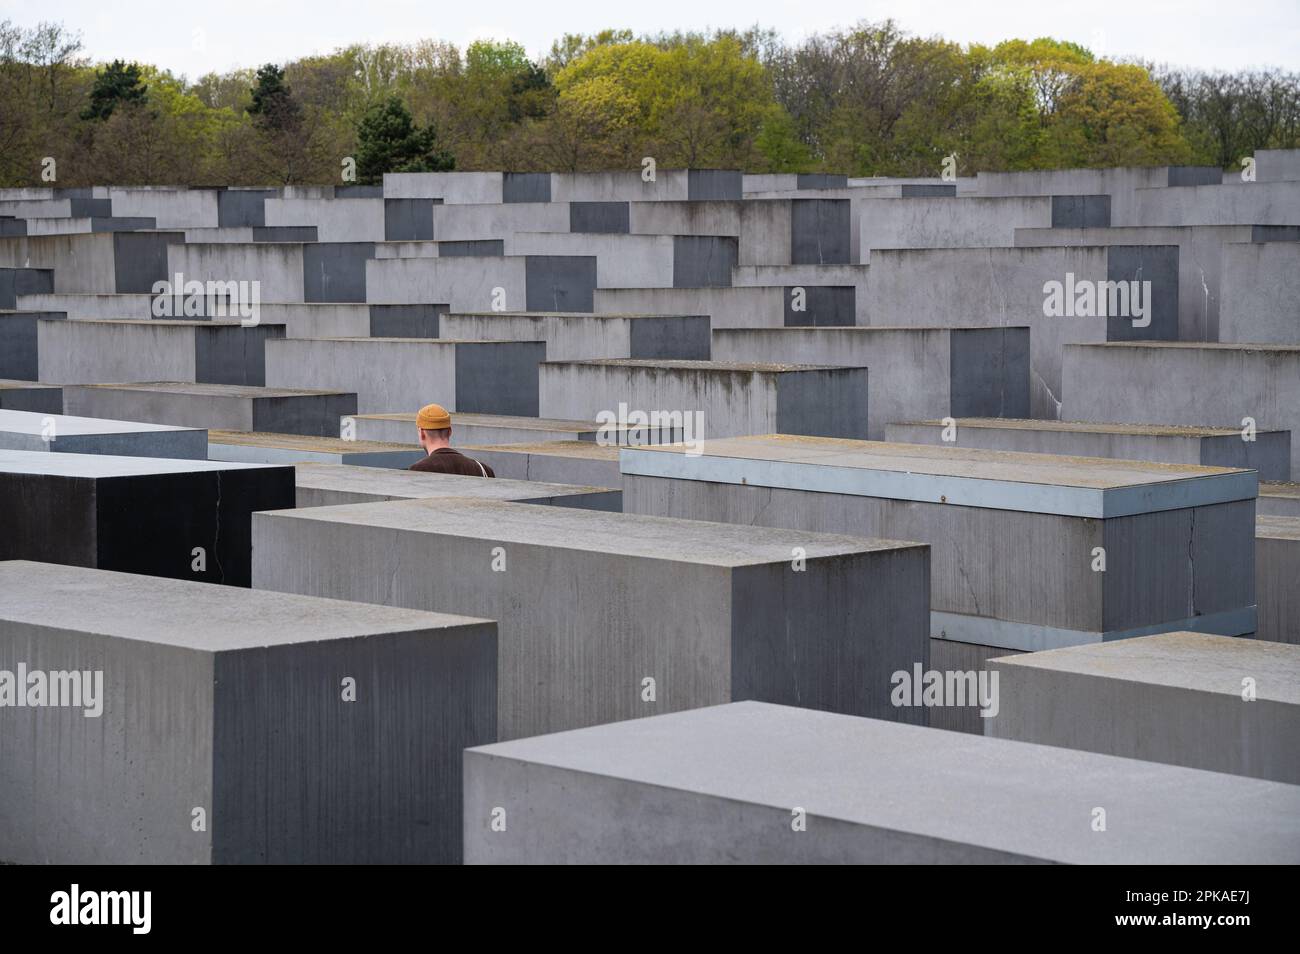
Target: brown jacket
x=446, y=460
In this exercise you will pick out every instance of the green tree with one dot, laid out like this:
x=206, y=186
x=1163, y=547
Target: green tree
x=388, y=140
x=116, y=83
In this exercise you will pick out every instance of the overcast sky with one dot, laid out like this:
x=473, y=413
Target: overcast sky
x=193, y=38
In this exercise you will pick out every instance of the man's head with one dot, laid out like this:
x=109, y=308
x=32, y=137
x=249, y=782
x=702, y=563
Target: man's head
x=434, y=425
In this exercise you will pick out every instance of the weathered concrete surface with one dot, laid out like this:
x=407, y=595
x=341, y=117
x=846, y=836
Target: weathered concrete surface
x=136, y=514
x=481, y=429
x=329, y=485
x=1276, y=498
x=1182, y=383
x=65, y=434
x=737, y=307
x=1261, y=293
x=29, y=396
x=590, y=605
x=1015, y=537
x=401, y=374
x=216, y=406
x=232, y=702
x=1205, y=702
x=1277, y=573
x=577, y=336
x=1008, y=286
x=723, y=785
x=18, y=343
x=950, y=371
x=563, y=462
x=1269, y=453
x=110, y=352
x=714, y=398
x=262, y=448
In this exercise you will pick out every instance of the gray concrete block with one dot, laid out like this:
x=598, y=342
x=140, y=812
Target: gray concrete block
x=64, y=434
x=703, y=261
x=329, y=485
x=404, y=321
x=1219, y=385
x=1204, y=702
x=610, y=218
x=243, y=208
x=1080, y=211
x=1276, y=498
x=1261, y=293
x=18, y=343
x=232, y=702
x=29, y=396
x=555, y=461
x=723, y=786
x=1277, y=571
x=1014, y=537
x=335, y=271
x=559, y=282
x=216, y=406
x=820, y=306
x=408, y=220
x=261, y=448
x=819, y=232
x=403, y=374
x=480, y=429
x=136, y=514
x=23, y=281
x=1269, y=453
x=578, y=336
x=579, y=597
x=732, y=397
x=525, y=187
x=111, y=352
x=944, y=369
x=1157, y=264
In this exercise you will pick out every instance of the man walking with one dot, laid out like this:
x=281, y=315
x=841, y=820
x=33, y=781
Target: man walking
x=434, y=426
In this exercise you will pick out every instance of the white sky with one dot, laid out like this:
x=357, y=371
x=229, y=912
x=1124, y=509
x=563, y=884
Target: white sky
x=193, y=38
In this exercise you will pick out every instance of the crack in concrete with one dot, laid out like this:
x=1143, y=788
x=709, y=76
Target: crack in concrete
x=961, y=568
x=1050, y=394
x=1191, y=565
x=216, y=539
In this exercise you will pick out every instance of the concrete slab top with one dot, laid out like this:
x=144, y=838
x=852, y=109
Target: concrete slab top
x=1279, y=488
x=967, y=462
x=192, y=615
x=324, y=445
x=1192, y=346
x=8, y=384
x=429, y=342
x=1089, y=427
x=959, y=476
x=721, y=367
x=1182, y=660
x=634, y=535
x=66, y=425
x=100, y=466
x=1277, y=527
x=587, y=450
x=493, y=420
x=864, y=330
x=213, y=390
x=581, y=315
x=153, y=322
x=943, y=785
x=415, y=484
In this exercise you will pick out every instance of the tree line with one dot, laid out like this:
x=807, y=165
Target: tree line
x=867, y=100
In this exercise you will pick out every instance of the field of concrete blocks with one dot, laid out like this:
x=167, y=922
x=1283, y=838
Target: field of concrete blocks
x=835, y=520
